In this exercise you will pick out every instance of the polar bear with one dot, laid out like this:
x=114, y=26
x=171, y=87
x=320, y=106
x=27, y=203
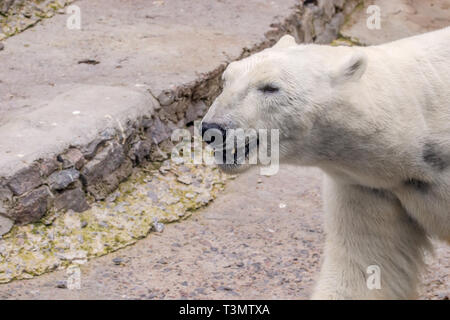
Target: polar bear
x=376, y=120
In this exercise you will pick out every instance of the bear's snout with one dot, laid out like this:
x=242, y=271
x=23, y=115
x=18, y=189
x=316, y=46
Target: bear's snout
x=210, y=131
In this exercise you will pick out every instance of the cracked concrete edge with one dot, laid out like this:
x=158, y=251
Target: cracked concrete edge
x=80, y=153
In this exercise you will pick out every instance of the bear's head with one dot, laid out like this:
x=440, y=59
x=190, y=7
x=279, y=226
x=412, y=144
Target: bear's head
x=296, y=90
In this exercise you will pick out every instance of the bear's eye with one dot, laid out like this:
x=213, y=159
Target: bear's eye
x=268, y=88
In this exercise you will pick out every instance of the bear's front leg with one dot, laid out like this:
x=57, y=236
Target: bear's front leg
x=373, y=249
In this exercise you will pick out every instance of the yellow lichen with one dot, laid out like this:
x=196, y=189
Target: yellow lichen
x=127, y=215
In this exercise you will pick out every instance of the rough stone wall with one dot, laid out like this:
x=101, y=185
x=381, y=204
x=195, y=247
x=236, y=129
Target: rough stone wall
x=89, y=173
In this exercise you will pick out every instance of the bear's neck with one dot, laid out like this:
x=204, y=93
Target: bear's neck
x=360, y=147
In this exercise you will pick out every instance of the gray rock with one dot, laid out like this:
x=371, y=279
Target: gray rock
x=5, y=5
x=159, y=132
x=74, y=199
x=2, y=46
x=153, y=196
x=32, y=206
x=147, y=123
x=62, y=179
x=319, y=26
x=103, y=224
x=139, y=151
x=5, y=202
x=120, y=208
x=307, y=24
x=25, y=180
x=91, y=149
x=186, y=179
x=328, y=7
x=48, y=166
x=3, y=210
x=195, y=111
x=113, y=196
x=62, y=284
x=109, y=181
x=331, y=29
x=5, y=224
x=166, y=97
x=105, y=162
x=5, y=194
x=340, y=3
x=157, y=155
x=158, y=226
x=72, y=159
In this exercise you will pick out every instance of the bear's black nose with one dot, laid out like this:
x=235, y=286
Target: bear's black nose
x=211, y=130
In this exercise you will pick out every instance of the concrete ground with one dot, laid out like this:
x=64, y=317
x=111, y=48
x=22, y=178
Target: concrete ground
x=399, y=19
x=149, y=46
x=152, y=44
x=262, y=238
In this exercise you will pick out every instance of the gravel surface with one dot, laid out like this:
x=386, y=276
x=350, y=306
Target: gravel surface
x=156, y=194
x=261, y=239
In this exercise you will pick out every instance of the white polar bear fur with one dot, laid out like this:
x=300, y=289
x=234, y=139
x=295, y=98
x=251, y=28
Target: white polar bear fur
x=376, y=120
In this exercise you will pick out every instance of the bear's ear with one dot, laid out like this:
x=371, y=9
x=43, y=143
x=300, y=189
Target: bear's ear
x=286, y=41
x=351, y=68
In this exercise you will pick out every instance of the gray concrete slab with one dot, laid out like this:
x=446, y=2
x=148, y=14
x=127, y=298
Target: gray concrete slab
x=399, y=19
x=152, y=44
x=178, y=48
x=73, y=118
x=147, y=45
x=50, y=72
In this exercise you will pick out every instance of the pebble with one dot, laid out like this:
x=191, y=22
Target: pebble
x=189, y=195
x=103, y=224
x=152, y=196
x=112, y=197
x=117, y=261
x=62, y=284
x=225, y=288
x=158, y=226
x=185, y=179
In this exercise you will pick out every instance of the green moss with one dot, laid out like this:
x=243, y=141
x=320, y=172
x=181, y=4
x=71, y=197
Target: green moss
x=25, y=14
x=349, y=41
x=358, y=7
x=62, y=238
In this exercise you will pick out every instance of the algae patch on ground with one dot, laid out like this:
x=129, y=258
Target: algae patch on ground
x=158, y=193
x=21, y=15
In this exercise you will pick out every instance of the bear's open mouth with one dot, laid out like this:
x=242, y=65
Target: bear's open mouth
x=230, y=154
